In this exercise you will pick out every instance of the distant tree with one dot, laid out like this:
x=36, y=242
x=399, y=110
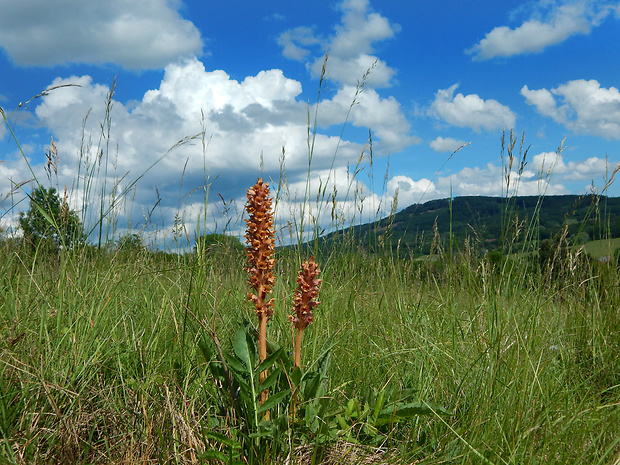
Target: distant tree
x=496, y=258
x=130, y=243
x=49, y=222
x=211, y=242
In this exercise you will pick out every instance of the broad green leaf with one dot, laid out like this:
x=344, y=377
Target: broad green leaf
x=296, y=376
x=269, y=361
x=413, y=409
x=240, y=346
x=235, y=365
x=343, y=424
x=274, y=400
x=313, y=383
x=271, y=379
x=205, y=348
x=230, y=442
x=379, y=404
x=213, y=454
x=353, y=408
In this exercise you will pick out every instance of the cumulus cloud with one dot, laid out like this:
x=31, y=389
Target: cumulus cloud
x=237, y=131
x=447, y=144
x=471, y=111
x=409, y=191
x=548, y=163
x=548, y=173
x=350, y=47
x=383, y=116
x=582, y=106
x=357, y=73
x=294, y=42
x=551, y=22
x=143, y=34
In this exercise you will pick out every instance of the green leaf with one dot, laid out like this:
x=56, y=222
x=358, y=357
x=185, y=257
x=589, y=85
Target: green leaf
x=269, y=361
x=343, y=424
x=296, y=376
x=353, y=408
x=205, y=348
x=213, y=455
x=312, y=386
x=379, y=404
x=413, y=409
x=230, y=442
x=240, y=346
x=235, y=365
x=271, y=379
x=273, y=400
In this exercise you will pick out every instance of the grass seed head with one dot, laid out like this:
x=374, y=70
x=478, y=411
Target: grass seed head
x=260, y=236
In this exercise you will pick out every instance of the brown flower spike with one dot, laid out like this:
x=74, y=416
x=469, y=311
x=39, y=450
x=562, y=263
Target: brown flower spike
x=304, y=300
x=260, y=236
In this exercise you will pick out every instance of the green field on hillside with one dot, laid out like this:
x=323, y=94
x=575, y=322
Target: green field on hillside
x=603, y=248
x=115, y=358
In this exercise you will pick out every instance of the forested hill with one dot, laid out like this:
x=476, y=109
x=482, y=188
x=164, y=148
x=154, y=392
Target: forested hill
x=484, y=220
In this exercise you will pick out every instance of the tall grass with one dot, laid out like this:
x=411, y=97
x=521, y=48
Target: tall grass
x=101, y=357
x=114, y=356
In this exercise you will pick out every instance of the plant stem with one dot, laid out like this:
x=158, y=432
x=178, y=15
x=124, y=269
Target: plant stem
x=262, y=355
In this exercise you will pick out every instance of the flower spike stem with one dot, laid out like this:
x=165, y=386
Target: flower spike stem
x=260, y=236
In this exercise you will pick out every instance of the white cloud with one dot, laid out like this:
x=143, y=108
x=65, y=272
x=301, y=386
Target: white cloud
x=294, y=40
x=447, y=144
x=352, y=71
x=471, y=111
x=552, y=22
x=357, y=72
x=383, y=117
x=590, y=169
x=582, y=106
x=247, y=124
x=410, y=191
x=142, y=34
x=350, y=47
x=550, y=175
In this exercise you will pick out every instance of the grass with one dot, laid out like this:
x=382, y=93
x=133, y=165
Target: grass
x=101, y=361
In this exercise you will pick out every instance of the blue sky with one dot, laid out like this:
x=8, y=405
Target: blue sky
x=236, y=81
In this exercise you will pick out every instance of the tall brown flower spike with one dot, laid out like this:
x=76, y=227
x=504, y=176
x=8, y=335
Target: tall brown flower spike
x=260, y=236
x=304, y=300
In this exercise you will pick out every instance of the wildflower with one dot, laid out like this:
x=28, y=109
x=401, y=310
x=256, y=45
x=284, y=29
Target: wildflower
x=260, y=236
x=304, y=300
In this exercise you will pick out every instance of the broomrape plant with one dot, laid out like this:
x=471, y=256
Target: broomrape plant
x=304, y=301
x=260, y=236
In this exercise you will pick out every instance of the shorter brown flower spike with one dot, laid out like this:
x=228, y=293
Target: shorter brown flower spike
x=303, y=303
x=304, y=297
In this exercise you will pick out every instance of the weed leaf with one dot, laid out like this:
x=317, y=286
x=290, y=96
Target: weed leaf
x=271, y=379
x=273, y=400
x=240, y=346
x=270, y=360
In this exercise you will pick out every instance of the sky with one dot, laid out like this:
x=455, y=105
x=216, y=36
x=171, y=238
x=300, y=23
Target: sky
x=157, y=115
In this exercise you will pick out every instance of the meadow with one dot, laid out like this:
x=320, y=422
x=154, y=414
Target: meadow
x=129, y=355
x=112, y=357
